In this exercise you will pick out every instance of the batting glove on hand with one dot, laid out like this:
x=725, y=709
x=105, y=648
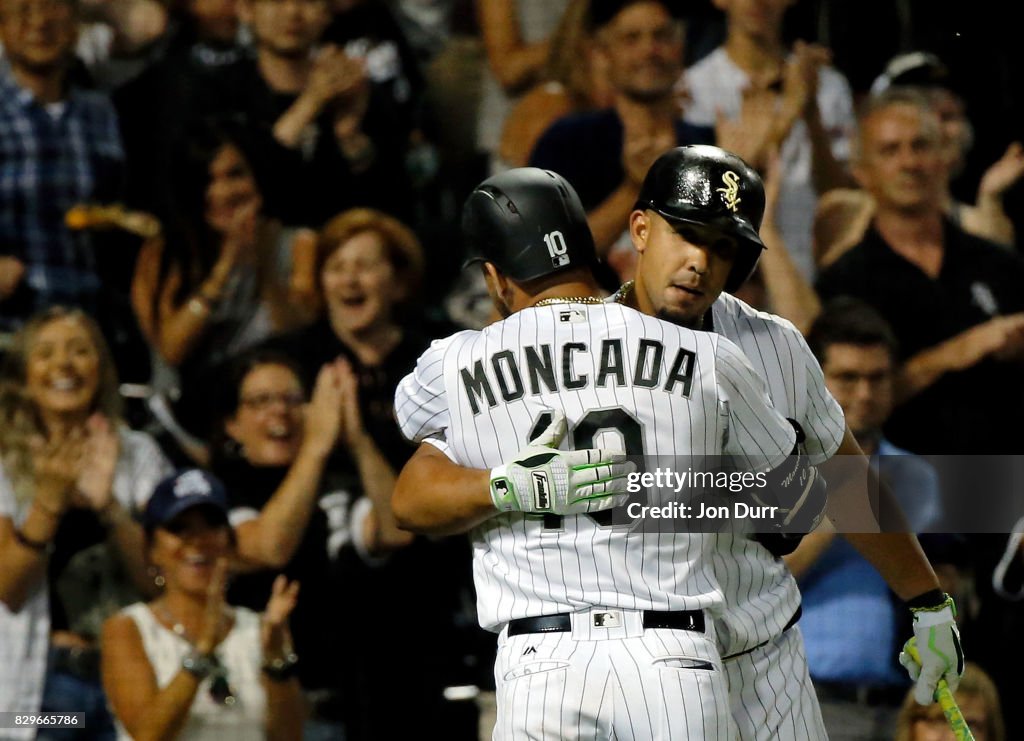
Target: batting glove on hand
x=542, y=479
x=937, y=641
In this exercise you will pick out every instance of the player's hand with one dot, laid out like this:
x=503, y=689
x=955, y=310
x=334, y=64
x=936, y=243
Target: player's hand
x=937, y=641
x=542, y=479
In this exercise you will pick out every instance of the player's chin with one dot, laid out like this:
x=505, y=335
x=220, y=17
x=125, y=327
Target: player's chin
x=685, y=309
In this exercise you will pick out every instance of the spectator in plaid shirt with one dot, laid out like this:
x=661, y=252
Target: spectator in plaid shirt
x=58, y=146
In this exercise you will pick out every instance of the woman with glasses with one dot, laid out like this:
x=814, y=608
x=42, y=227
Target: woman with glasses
x=292, y=513
x=187, y=665
x=370, y=268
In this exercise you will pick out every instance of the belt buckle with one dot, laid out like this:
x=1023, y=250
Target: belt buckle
x=607, y=619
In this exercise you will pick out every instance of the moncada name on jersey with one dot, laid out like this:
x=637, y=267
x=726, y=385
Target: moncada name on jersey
x=538, y=368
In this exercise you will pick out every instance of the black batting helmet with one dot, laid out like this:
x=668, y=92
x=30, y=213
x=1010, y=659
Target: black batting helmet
x=528, y=222
x=709, y=186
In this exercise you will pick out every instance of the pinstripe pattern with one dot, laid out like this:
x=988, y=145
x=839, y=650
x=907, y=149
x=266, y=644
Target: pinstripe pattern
x=771, y=695
x=577, y=686
x=553, y=686
x=523, y=569
x=761, y=594
x=770, y=691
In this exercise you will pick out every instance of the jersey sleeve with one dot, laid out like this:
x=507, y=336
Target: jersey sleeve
x=421, y=399
x=759, y=438
x=823, y=421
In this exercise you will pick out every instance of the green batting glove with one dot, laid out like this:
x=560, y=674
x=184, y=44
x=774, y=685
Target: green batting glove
x=937, y=641
x=543, y=479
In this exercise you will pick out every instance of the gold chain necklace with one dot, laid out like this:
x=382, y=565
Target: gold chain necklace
x=570, y=300
x=622, y=294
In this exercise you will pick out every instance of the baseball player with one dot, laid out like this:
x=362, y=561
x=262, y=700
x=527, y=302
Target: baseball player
x=604, y=630
x=770, y=690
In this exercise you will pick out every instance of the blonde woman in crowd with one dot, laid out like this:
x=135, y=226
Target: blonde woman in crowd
x=978, y=700
x=71, y=475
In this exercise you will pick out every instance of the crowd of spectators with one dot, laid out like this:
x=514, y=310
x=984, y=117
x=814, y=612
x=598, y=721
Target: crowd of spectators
x=228, y=228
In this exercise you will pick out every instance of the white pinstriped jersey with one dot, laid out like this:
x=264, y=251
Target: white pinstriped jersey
x=614, y=372
x=760, y=593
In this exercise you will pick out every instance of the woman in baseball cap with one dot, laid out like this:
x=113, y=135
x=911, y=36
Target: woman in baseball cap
x=187, y=665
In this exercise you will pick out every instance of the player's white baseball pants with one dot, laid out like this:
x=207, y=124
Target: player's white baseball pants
x=611, y=682
x=771, y=695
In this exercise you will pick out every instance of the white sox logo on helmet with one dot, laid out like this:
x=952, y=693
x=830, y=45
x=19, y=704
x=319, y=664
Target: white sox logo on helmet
x=730, y=193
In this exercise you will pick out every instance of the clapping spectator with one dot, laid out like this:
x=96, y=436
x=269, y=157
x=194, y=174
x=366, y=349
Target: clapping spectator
x=762, y=95
x=516, y=36
x=573, y=79
x=309, y=105
x=223, y=281
x=71, y=476
x=953, y=300
x=294, y=516
x=844, y=214
x=605, y=154
x=188, y=665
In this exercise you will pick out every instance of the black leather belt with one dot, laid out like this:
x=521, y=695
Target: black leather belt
x=562, y=623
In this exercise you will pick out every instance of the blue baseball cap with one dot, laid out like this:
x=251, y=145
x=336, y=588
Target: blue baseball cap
x=181, y=491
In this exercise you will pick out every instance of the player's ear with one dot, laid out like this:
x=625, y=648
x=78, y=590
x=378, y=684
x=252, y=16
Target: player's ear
x=639, y=229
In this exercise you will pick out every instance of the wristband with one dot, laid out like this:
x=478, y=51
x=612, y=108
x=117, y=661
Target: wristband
x=199, y=665
x=933, y=599
x=38, y=546
x=281, y=669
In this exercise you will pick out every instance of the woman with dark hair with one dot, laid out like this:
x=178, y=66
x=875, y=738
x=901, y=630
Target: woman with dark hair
x=187, y=665
x=292, y=513
x=226, y=277
x=71, y=475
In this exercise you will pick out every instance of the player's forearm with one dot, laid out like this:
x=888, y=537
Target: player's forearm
x=899, y=559
x=435, y=496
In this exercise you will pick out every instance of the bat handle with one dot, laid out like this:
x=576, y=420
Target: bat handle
x=952, y=712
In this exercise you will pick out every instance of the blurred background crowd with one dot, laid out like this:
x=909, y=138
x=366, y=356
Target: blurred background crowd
x=228, y=228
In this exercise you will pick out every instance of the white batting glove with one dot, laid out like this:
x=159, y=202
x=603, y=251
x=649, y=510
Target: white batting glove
x=937, y=642
x=542, y=479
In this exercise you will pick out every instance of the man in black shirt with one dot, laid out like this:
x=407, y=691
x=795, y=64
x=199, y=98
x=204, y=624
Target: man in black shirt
x=955, y=302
